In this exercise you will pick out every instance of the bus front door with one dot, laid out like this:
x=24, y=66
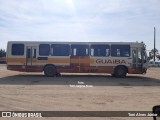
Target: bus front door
x=31, y=57
x=137, y=63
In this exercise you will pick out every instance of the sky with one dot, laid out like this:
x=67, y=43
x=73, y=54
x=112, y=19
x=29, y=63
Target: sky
x=80, y=20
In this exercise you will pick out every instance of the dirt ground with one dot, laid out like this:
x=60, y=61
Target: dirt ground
x=79, y=92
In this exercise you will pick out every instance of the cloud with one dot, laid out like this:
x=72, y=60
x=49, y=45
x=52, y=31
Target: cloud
x=79, y=20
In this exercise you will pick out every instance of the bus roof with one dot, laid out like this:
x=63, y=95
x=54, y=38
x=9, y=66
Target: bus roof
x=66, y=42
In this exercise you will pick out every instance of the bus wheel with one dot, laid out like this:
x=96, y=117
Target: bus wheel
x=113, y=75
x=120, y=72
x=50, y=71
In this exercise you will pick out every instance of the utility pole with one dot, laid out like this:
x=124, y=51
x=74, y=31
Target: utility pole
x=154, y=44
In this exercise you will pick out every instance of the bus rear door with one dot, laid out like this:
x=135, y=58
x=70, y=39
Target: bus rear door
x=80, y=59
x=31, y=58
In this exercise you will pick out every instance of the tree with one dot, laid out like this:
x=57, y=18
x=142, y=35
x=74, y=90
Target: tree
x=2, y=53
x=158, y=56
x=151, y=54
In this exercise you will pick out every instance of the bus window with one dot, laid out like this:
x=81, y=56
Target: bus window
x=139, y=56
x=28, y=53
x=60, y=50
x=18, y=49
x=120, y=50
x=80, y=50
x=74, y=51
x=34, y=53
x=100, y=50
x=134, y=55
x=44, y=49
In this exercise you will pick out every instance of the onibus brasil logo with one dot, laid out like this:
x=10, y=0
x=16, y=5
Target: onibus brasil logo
x=21, y=114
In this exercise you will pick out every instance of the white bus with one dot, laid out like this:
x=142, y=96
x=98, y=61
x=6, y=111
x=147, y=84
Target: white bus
x=53, y=58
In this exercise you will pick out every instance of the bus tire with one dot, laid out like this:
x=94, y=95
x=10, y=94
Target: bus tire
x=58, y=74
x=120, y=72
x=113, y=75
x=50, y=71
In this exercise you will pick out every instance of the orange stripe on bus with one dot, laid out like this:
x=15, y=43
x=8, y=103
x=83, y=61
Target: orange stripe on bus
x=87, y=61
x=16, y=60
x=58, y=60
x=54, y=60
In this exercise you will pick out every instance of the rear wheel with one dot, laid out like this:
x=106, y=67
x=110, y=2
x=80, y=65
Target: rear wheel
x=50, y=71
x=120, y=72
x=113, y=75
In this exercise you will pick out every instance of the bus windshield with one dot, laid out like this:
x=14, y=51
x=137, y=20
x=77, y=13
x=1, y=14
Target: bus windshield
x=144, y=53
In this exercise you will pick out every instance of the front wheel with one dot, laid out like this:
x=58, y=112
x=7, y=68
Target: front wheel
x=120, y=72
x=50, y=71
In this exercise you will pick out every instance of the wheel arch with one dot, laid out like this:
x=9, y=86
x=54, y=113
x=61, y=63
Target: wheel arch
x=124, y=66
x=49, y=65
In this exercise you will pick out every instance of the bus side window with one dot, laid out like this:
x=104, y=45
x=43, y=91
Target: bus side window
x=134, y=56
x=139, y=56
x=60, y=50
x=34, y=53
x=44, y=49
x=28, y=53
x=18, y=49
x=92, y=52
x=80, y=50
x=120, y=50
x=86, y=51
x=107, y=52
x=74, y=51
x=100, y=50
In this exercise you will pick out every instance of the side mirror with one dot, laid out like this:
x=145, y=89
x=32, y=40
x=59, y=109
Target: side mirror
x=156, y=110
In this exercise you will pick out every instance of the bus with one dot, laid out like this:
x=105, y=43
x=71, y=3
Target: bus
x=53, y=58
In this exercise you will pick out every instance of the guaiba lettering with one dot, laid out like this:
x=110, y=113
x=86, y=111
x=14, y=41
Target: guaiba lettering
x=109, y=61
